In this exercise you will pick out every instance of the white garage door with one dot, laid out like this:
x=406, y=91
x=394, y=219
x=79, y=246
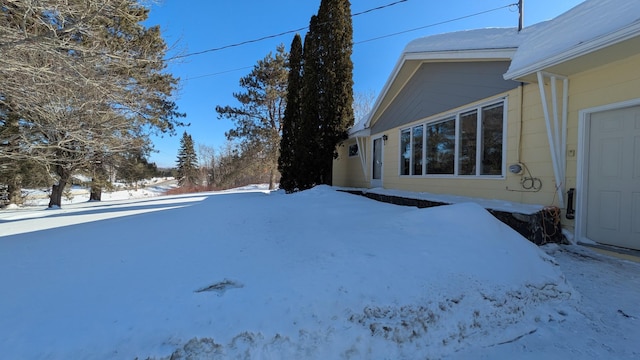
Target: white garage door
x=613, y=199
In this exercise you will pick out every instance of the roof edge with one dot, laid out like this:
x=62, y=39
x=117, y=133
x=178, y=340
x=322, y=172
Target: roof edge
x=473, y=54
x=360, y=133
x=602, y=42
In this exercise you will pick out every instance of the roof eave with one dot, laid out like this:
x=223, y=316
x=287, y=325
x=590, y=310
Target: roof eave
x=360, y=133
x=463, y=55
x=575, y=52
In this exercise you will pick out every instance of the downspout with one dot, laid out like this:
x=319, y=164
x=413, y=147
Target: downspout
x=557, y=137
x=565, y=114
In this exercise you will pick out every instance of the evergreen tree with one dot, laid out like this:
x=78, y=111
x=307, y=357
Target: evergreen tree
x=335, y=43
x=259, y=117
x=292, y=120
x=187, y=163
x=327, y=92
x=134, y=166
x=308, y=139
x=88, y=80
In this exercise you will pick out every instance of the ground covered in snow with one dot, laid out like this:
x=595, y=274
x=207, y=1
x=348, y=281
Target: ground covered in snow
x=319, y=274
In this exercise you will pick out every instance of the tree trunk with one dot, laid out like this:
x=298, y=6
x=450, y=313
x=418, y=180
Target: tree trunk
x=14, y=189
x=96, y=192
x=99, y=179
x=272, y=179
x=57, y=189
x=326, y=172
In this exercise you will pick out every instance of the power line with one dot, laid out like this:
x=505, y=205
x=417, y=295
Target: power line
x=219, y=73
x=276, y=35
x=378, y=8
x=379, y=37
x=434, y=24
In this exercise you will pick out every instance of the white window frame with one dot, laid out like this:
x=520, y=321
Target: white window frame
x=456, y=116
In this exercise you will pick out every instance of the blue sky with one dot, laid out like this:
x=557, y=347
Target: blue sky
x=211, y=78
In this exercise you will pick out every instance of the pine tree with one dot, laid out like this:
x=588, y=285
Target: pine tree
x=88, y=80
x=258, y=119
x=292, y=120
x=187, y=162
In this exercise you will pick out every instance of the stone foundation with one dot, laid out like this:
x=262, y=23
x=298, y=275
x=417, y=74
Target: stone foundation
x=540, y=228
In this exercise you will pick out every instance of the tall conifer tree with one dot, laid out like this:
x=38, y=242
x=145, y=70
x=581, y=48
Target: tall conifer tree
x=187, y=162
x=327, y=95
x=336, y=74
x=292, y=119
x=308, y=140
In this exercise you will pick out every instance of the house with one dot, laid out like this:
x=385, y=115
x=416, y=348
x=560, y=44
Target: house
x=547, y=116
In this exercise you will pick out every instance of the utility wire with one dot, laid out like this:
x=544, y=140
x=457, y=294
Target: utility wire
x=434, y=24
x=219, y=73
x=355, y=43
x=276, y=35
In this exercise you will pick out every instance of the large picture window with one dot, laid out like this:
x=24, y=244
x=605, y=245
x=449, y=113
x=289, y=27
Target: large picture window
x=492, y=134
x=417, y=140
x=469, y=143
x=405, y=151
x=441, y=142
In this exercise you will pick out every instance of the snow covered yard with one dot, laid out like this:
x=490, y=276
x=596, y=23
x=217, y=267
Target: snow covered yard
x=318, y=274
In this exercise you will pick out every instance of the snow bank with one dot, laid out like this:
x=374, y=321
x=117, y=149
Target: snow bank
x=317, y=274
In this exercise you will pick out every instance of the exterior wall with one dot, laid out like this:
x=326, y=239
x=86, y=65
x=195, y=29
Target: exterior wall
x=347, y=170
x=526, y=141
x=534, y=153
x=609, y=84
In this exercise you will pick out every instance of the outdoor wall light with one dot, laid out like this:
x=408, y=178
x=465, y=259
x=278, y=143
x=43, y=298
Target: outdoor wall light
x=384, y=138
x=515, y=169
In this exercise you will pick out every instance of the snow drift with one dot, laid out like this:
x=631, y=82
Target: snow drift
x=318, y=274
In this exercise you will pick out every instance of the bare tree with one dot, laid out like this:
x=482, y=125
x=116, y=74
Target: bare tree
x=207, y=161
x=363, y=104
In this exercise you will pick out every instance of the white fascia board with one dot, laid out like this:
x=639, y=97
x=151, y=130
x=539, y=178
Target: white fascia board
x=463, y=55
x=360, y=133
x=577, y=51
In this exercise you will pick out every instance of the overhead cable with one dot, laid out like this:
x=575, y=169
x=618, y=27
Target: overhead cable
x=276, y=35
x=434, y=24
x=372, y=39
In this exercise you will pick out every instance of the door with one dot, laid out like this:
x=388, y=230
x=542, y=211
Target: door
x=613, y=198
x=376, y=171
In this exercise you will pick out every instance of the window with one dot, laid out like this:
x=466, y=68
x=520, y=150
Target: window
x=417, y=150
x=467, y=144
x=468, y=140
x=412, y=149
x=492, y=122
x=353, y=150
x=405, y=151
x=441, y=139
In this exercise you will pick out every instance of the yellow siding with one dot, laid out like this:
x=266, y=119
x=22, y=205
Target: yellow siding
x=609, y=84
x=527, y=141
x=347, y=170
x=534, y=150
